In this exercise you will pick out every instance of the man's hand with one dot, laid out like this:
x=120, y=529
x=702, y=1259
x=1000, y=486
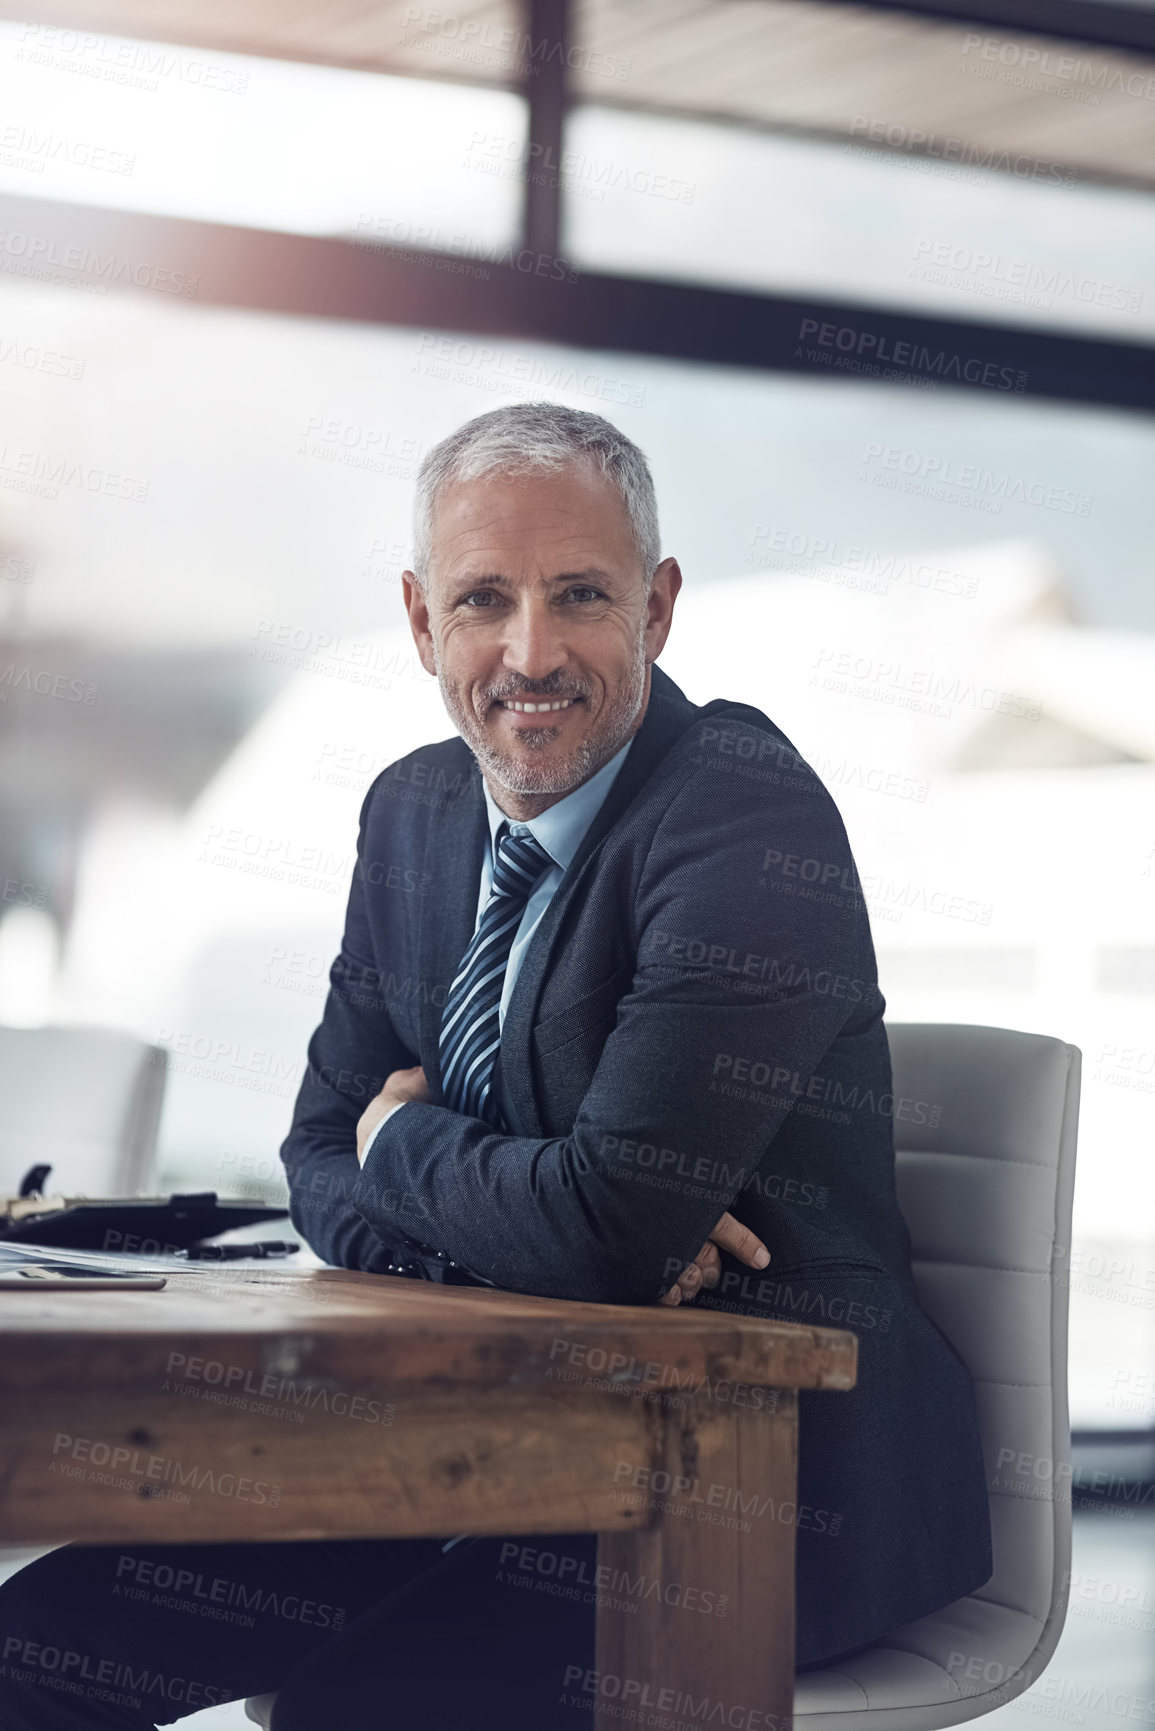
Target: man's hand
x=706, y=1268
x=401, y=1085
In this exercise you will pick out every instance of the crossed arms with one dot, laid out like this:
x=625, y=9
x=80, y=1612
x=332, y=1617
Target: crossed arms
x=569, y=1216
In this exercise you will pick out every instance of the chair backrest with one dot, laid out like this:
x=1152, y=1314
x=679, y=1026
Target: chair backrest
x=985, y=1172
x=85, y=1101
x=987, y=1194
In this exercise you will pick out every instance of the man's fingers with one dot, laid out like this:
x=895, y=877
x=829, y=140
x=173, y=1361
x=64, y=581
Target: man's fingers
x=731, y=1235
x=686, y=1285
x=704, y=1271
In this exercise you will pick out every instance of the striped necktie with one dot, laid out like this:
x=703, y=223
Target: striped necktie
x=470, y=1024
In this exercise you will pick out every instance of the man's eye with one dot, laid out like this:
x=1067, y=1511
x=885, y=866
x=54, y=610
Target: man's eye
x=584, y=589
x=480, y=594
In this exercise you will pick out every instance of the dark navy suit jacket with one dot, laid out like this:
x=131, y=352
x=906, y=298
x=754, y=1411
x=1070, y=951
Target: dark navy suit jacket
x=696, y=1026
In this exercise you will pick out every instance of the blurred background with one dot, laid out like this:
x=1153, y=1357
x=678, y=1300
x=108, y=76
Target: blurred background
x=873, y=287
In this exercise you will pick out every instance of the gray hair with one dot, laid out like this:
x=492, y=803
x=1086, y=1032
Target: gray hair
x=529, y=438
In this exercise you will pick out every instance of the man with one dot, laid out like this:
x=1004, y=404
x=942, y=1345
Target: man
x=619, y=1040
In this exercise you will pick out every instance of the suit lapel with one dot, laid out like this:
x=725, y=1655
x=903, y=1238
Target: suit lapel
x=668, y=714
x=458, y=834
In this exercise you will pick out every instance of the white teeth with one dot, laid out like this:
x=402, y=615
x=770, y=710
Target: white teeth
x=537, y=708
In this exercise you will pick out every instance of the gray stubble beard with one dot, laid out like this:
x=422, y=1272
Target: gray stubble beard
x=561, y=775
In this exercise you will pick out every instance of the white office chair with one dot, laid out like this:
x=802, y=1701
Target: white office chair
x=85, y=1101
x=987, y=1195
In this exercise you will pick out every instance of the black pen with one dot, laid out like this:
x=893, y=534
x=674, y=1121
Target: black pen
x=265, y=1247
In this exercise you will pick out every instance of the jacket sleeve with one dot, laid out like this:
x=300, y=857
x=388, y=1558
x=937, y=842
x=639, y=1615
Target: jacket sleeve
x=733, y=979
x=350, y=1055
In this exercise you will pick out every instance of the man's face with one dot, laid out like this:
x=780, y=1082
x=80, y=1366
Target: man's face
x=535, y=594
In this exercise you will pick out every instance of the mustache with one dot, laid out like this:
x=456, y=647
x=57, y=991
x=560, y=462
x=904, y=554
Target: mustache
x=531, y=696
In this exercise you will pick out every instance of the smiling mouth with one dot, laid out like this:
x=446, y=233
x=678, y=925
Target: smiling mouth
x=544, y=707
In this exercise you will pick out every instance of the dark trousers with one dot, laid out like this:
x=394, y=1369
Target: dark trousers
x=365, y=1635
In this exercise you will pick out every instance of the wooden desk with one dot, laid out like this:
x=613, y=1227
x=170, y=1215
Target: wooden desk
x=269, y=1404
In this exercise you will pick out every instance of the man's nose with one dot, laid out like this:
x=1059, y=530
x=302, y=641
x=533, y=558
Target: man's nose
x=534, y=639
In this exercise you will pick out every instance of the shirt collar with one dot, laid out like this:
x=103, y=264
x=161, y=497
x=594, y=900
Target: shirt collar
x=560, y=827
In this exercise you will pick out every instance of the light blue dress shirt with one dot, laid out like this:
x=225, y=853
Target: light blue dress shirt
x=560, y=830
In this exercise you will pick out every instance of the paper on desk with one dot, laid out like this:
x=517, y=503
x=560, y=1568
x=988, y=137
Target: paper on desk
x=17, y=1255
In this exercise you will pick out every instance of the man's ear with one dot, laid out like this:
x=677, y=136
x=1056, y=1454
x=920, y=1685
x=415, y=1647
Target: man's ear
x=660, y=606
x=417, y=607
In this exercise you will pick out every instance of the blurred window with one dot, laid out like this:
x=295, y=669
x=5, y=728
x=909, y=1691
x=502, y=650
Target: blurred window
x=649, y=195
x=267, y=144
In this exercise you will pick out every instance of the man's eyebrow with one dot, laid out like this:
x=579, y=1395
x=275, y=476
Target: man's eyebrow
x=473, y=580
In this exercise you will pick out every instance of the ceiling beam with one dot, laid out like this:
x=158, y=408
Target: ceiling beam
x=528, y=295
x=1097, y=23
